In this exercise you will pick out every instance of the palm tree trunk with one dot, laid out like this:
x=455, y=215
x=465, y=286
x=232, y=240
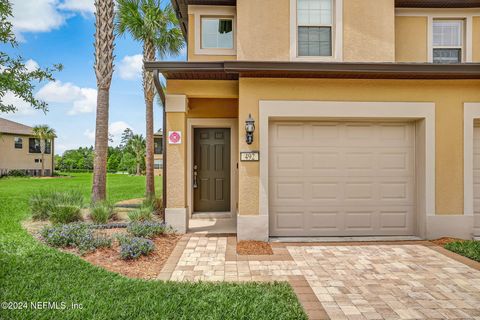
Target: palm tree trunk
x=149, y=93
x=99, y=189
x=104, y=45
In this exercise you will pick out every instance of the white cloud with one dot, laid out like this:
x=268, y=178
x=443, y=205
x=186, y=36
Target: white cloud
x=83, y=100
x=36, y=16
x=23, y=108
x=45, y=15
x=60, y=147
x=90, y=134
x=84, y=6
x=131, y=67
x=31, y=65
x=116, y=129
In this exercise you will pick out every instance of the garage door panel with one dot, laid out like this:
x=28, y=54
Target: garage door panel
x=350, y=221
x=339, y=134
x=325, y=221
x=351, y=191
x=342, y=179
x=353, y=162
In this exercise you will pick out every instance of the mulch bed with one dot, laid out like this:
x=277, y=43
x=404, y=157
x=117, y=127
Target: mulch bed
x=254, y=248
x=445, y=240
x=146, y=267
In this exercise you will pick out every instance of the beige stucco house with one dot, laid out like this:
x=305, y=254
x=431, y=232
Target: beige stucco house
x=365, y=117
x=20, y=150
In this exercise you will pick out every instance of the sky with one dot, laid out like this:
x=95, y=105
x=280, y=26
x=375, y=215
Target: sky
x=62, y=31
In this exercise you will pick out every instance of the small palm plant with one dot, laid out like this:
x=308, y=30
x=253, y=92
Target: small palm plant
x=46, y=135
x=154, y=24
x=137, y=145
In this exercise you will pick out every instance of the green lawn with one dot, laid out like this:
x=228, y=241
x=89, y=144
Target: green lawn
x=33, y=272
x=469, y=249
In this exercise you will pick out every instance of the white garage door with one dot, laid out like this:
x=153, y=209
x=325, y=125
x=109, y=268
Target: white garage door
x=476, y=178
x=341, y=178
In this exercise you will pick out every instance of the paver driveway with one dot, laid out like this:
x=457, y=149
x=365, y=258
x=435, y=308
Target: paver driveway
x=399, y=281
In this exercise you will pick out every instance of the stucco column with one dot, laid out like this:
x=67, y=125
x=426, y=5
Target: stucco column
x=250, y=224
x=176, y=107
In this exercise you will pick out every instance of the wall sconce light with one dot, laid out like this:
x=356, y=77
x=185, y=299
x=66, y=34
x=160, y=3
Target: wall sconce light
x=249, y=128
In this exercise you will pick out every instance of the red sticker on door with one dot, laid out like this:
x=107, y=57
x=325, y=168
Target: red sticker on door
x=174, y=137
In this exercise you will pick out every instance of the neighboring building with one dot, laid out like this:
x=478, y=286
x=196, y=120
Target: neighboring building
x=365, y=117
x=158, y=153
x=20, y=150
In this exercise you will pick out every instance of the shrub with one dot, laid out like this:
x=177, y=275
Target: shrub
x=60, y=207
x=77, y=235
x=71, y=197
x=140, y=214
x=133, y=248
x=65, y=213
x=469, y=249
x=155, y=204
x=17, y=173
x=40, y=206
x=101, y=212
x=146, y=229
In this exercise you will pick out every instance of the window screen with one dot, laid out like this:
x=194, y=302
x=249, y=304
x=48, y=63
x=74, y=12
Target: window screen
x=314, y=25
x=448, y=41
x=217, y=33
x=18, y=143
x=158, y=164
x=34, y=145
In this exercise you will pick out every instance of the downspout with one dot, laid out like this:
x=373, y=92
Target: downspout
x=158, y=85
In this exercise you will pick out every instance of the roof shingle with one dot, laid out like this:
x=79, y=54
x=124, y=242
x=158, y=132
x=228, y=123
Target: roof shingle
x=7, y=126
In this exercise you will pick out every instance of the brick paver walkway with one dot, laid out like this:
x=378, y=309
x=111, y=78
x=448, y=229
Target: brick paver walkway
x=404, y=281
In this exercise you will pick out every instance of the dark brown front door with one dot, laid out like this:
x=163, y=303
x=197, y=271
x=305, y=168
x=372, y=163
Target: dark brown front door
x=211, y=171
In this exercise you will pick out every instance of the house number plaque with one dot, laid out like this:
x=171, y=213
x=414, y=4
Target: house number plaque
x=250, y=156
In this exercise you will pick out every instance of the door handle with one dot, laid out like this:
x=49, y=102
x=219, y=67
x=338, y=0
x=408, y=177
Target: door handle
x=195, y=173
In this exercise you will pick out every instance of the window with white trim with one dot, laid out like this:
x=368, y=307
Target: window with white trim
x=217, y=33
x=18, y=143
x=448, y=40
x=158, y=164
x=314, y=28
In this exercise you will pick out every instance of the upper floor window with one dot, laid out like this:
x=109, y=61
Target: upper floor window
x=314, y=28
x=158, y=164
x=18, y=143
x=34, y=145
x=448, y=40
x=217, y=33
x=158, y=146
x=48, y=146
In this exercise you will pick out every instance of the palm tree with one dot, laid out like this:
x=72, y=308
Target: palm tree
x=137, y=145
x=154, y=25
x=104, y=37
x=45, y=134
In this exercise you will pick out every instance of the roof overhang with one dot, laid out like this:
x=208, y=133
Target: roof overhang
x=437, y=3
x=181, y=6
x=233, y=70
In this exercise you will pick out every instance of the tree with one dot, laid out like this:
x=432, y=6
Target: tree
x=156, y=27
x=104, y=46
x=127, y=163
x=126, y=135
x=137, y=146
x=45, y=134
x=15, y=78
